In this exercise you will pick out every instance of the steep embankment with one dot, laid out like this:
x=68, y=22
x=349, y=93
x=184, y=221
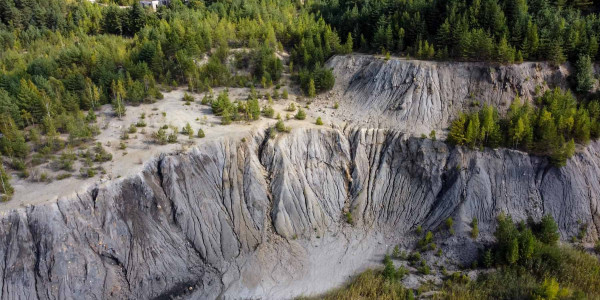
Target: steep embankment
x=265, y=218
x=418, y=96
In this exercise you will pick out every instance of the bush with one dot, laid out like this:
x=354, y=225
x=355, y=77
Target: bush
x=419, y=230
x=172, y=137
x=187, y=129
x=301, y=115
x=188, y=98
x=63, y=176
x=349, y=218
x=291, y=107
x=280, y=126
x=201, y=133
x=268, y=112
x=474, y=228
x=426, y=240
x=101, y=155
x=336, y=105
x=548, y=230
x=5, y=186
x=132, y=129
x=160, y=137
x=319, y=121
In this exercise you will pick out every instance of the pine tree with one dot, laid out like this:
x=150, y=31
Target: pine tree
x=118, y=98
x=348, y=47
x=584, y=74
x=473, y=129
x=311, y=88
x=254, y=109
x=456, y=135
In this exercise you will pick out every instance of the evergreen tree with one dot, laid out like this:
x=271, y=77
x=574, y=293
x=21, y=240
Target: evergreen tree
x=5, y=187
x=584, y=74
x=311, y=89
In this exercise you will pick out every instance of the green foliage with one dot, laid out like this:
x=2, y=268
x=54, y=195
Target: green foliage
x=5, y=186
x=370, y=285
x=474, y=228
x=549, y=129
x=187, y=129
x=301, y=114
x=584, y=74
x=160, y=137
x=396, y=252
x=498, y=30
x=449, y=223
x=349, y=218
x=201, y=133
x=547, y=230
x=291, y=107
x=419, y=230
x=268, y=111
x=100, y=154
x=549, y=272
x=426, y=240
x=172, y=137
x=280, y=127
x=319, y=121
x=390, y=272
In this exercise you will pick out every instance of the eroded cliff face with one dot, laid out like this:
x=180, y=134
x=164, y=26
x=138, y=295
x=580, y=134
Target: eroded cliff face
x=266, y=218
x=419, y=96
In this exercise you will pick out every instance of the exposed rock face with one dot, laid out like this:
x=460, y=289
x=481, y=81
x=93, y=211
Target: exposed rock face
x=265, y=218
x=418, y=96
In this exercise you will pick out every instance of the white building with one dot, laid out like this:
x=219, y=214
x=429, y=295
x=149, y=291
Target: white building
x=154, y=3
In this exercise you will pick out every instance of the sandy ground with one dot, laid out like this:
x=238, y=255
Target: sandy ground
x=141, y=148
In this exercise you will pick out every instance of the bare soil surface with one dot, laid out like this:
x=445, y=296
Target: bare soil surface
x=140, y=146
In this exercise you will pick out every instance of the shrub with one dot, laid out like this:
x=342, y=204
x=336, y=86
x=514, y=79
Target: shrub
x=548, y=230
x=63, y=176
x=301, y=115
x=268, y=111
x=132, y=129
x=291, y=107
x=187, y=129
x=349, y=218
x=160, y=137
x=172, y=137
x=280, y=126
x=390, y=273
x=124, y=135
x=101, y=154
x=426, y=240
x=419, y=230
x=319, y=121
x=201, y=133
x=474, y=228
x=449, y=225
x=5, y=186
x=336, y=105
x=284, y=95
x=187, y=97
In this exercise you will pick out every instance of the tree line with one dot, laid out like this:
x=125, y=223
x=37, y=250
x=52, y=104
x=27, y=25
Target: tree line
x=550, y=127
x=483, y=30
